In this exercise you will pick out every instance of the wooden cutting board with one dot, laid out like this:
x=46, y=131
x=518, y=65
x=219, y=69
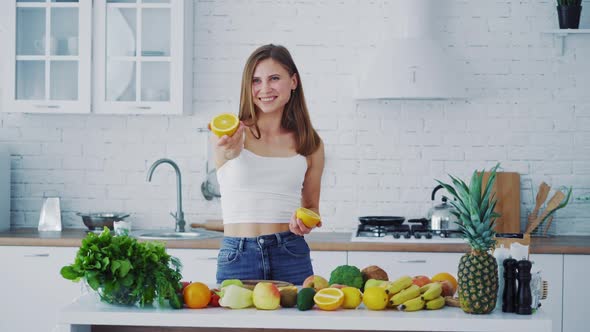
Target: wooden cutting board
x=507, y=189
x=212, y=225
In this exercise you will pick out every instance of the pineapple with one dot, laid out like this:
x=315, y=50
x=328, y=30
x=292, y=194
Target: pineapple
x=478, y=270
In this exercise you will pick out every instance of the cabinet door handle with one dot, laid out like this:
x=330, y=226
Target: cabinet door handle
x=144, y=107
x=36, y=255
x=47, y=106
x=412, y=261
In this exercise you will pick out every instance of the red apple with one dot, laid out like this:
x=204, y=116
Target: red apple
x=266, y=296
x=184, y=284
x=421, y=280
x=315, y=282
x=447, y=288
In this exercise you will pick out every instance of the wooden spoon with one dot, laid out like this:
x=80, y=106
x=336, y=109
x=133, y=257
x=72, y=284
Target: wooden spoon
x=561, y=206
x=551, y=205
x=547, y=224
x=540, y=199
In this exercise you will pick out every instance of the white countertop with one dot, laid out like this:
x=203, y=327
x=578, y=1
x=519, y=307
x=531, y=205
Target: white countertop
x=88, y=310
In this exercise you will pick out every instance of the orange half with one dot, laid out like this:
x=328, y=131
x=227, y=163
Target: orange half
x=329, y=298
x=308, y=217
x=224, y=124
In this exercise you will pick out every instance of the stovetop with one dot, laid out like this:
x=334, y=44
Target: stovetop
x=404, y=234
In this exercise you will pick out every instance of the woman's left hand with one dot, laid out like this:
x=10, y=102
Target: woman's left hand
x=297, y=226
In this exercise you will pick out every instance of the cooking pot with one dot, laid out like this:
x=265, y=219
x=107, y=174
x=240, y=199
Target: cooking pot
x=97, y=221
x=441, y=216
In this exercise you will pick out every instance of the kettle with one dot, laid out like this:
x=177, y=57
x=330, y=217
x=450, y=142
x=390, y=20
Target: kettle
x=441, y=215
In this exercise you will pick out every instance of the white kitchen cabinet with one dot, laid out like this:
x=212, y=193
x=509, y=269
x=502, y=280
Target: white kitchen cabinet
x=47, y=56
x=324, y=262
x=201, y=264
x=33, y=291
x=197, y=264
x=576, y=316
x=551, y=267
x=143, y=56
x=398, y=264
x=102, y=56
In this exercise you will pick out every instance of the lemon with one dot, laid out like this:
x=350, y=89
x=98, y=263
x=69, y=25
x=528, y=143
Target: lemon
x=329, y=298
x=375, y=298
x=224, y=124
x=308, y=217
x=352, y=297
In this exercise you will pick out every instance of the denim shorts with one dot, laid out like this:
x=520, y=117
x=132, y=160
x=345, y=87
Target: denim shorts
x=281, y=256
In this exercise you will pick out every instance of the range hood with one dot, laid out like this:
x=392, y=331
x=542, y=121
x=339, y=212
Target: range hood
x=410, y=63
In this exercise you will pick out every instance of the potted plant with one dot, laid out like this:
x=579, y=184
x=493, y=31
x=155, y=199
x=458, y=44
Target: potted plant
x=568, y=13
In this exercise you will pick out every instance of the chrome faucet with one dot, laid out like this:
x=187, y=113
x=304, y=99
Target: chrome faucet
x=179, y=216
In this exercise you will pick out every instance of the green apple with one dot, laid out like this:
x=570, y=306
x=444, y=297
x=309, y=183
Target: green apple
x=376, y=283
x=228, y=282
x=235, y=297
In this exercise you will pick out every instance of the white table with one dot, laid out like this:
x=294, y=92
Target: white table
x=87, y=311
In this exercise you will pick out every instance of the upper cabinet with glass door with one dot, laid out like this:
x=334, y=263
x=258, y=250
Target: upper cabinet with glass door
x=143, y=56
x=49, y=56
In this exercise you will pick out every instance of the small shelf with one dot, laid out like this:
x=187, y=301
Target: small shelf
x=563, y=33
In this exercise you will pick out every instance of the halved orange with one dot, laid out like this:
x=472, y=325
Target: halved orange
x=225, y=124
x=329, y=298
x=308, y=217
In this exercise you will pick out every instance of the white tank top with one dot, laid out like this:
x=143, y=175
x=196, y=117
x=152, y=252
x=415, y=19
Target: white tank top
x=257, y=189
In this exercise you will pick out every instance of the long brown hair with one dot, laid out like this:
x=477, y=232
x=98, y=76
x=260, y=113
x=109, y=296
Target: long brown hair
x=295, y=115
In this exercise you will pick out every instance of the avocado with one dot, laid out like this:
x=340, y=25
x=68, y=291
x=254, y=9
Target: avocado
x=305, y=298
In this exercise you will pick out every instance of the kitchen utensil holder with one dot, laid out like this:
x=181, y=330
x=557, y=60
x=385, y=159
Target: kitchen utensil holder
x=540, y=230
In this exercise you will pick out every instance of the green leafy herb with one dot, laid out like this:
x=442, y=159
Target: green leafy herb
x=125, y=271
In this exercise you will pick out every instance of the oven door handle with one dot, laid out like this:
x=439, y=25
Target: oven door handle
x=411, y=261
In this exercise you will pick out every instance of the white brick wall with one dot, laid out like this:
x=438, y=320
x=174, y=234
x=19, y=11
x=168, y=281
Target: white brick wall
x=528, y=108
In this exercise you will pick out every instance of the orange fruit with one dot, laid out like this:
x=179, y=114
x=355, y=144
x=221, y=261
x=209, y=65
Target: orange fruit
x=329, y=298
x=224, y=124
x=196, y=295
x=446, y=276
x=308, y=217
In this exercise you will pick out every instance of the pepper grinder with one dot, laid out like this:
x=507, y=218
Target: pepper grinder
x=509, y=294
x=525, y=298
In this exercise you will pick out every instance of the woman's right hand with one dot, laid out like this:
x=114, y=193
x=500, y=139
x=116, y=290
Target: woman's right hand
x=229, y=147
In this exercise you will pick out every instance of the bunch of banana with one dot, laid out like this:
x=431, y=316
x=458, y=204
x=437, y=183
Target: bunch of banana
x=405, y=295
x=414, y=304
x=432, y=294
x=398, y=285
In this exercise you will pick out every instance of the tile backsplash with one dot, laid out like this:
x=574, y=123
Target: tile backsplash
x=528, y=107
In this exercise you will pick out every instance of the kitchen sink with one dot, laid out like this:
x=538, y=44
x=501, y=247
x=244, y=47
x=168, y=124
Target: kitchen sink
x=171, y=235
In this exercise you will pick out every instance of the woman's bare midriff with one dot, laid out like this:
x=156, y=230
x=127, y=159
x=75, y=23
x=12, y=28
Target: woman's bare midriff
x=253, y=229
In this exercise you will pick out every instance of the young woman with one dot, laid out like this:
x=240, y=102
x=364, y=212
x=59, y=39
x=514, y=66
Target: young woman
x=272, y=165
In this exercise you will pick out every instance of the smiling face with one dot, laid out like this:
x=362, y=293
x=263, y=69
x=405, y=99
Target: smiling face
x=272, y=86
